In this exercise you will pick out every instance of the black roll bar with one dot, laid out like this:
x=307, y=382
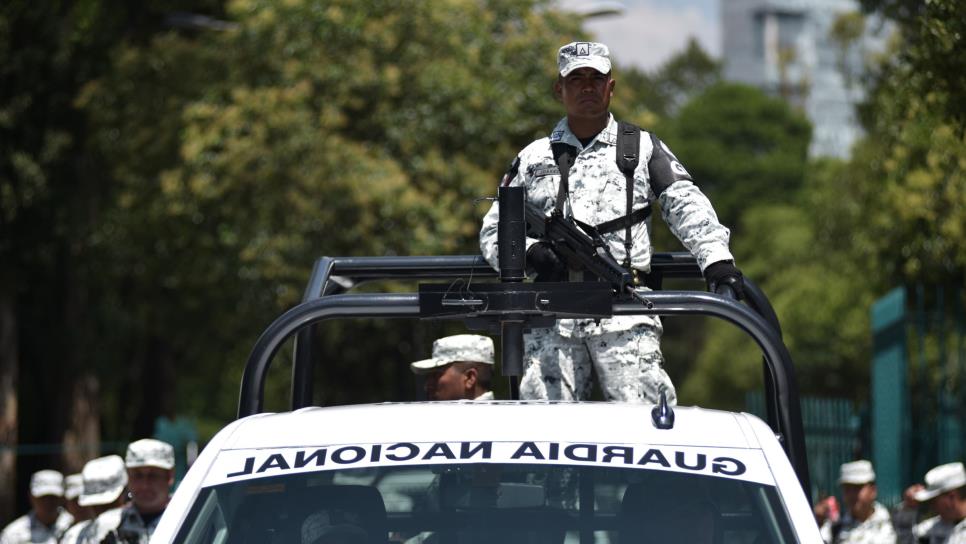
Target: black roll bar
x=332, y=275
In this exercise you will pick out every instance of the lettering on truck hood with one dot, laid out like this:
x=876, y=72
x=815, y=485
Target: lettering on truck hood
x=247, y=464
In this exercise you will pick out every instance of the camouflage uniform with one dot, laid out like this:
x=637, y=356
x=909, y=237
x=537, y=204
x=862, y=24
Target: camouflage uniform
x=625, y=350
x=959, y=534
x=27, y=528
x=79, y=533
x=933, y=531
x=877, y=529
x=130, y=528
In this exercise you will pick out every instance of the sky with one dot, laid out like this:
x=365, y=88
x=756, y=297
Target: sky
x=648, y=32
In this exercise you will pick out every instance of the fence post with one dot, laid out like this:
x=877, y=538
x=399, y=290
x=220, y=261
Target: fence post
x=890, y=412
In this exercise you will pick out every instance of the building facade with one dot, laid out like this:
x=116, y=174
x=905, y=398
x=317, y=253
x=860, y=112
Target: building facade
x=810, y=52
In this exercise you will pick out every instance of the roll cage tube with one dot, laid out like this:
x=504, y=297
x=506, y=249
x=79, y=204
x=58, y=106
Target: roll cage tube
x=780, y=381
x=509, y=307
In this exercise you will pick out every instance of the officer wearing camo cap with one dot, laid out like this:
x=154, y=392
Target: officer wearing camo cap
x=461, y=368
x=150, y=474
x=73, y=487
x=103, y=483
x=47, y=520
x=623, y=351
x=864, y=520
x=945, y=492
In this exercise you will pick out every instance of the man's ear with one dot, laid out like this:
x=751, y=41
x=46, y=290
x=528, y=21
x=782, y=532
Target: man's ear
x=470, y=377
x=611, y=84
x=558, y=90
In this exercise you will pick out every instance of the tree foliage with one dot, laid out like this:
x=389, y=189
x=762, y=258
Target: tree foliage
x=933, y=34
x=307, y=129
x=741, y=147
x=891, y=215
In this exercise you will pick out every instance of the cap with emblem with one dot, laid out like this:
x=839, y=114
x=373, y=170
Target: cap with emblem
x=857, y=473
x=47, y=482
x=583, y=55
x=149, y=452
x=73, y=486
x=104, y=480
x=468, y=348
x=942, y=479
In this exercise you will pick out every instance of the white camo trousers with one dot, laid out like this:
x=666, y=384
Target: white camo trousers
x=628, y=364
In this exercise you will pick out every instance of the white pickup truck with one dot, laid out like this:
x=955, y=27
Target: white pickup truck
x=501, y=472
x=498, y=471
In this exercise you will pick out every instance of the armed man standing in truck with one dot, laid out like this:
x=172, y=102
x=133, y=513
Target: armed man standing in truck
x=575, y=172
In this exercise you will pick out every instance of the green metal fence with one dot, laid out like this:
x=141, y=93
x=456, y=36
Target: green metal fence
x=919, y=377
x=833, y=435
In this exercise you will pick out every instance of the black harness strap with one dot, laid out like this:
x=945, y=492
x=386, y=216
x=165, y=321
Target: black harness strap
x=628, y=155
x=626, y=221
x=564, y=155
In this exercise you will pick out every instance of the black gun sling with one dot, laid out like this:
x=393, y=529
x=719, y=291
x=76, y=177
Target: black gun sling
x=628, y=156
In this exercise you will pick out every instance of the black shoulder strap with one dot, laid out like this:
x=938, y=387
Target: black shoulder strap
x=511, y=172
x=564, y=155
x=628, y=155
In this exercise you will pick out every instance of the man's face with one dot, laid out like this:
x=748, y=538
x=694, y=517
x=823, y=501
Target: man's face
x=447, y=383
x=585, y=92
x=46, y=508
x=946, y=506
x=858, y=496
x=149, y=488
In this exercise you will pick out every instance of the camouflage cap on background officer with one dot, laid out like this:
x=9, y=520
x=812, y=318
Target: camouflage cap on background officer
x=104, y=482
x=73, y=487
x=945, y=494
x=863, y=518
x=47, y=519
x=461, y=368
x=150, y=475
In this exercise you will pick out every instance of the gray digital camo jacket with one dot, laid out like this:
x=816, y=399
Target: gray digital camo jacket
x=598, y=194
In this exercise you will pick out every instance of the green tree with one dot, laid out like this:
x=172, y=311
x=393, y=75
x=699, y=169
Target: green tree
x=306, y=129
x=741, y=146
x=933, y=34
x=650, y=97
x=51, y=195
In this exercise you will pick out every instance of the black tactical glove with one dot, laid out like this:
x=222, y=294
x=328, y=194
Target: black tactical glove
x=725, y=273
x=542, y=259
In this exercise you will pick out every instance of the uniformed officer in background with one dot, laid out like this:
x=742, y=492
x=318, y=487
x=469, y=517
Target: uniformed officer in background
x=863, y=521
x=461, y=368
x=624, y=351
x=73, y=487
x=104, y=483
x=47, y=519
x=150, y=475
x=945, y=493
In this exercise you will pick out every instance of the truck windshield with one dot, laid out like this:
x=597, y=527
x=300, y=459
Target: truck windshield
x=488, y=502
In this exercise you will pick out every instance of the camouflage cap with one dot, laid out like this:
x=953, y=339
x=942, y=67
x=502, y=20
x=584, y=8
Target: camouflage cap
x=470, y=348
x=942, y=479
x=73, y=486
x=857, y=473
x=47, y=482
x=583, y=55
x=104, y=480
x=149, y=452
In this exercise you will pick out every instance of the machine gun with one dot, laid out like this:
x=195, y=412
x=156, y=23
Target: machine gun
x=582, y=248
